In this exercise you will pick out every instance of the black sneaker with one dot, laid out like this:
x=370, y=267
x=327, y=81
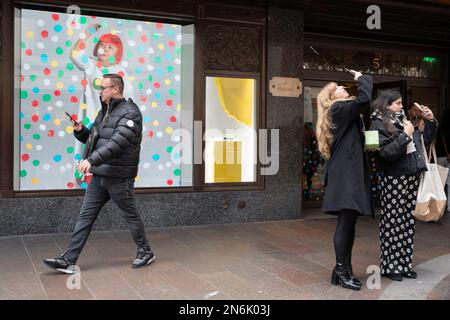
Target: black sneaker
x=61, y=264
x=144, y=257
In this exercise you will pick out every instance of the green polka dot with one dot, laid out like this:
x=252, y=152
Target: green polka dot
x=150, y=78
x=22, y=45
x=177, y=172
x=95, y=40
x=36, y=136
x=140, y=86
x=86, y=121
x=27, y=126
x=83, y=20
x=104, y=24
x=170, y=68
x=68, y=43
x=172, y=92
x=130, y=54
x=23, y=173
x=36, y=163
x=169, y=149
x=46, y=97
x=105, y=71
x=78, y=175
x=59, y=51
x=158, y=59
x=156, y=36
x=23, y=94
x=178, y=51
x=69, y=66
x=69, y=149
x=130, y=33
x=60, y=73
x=112, y=59
x=32, y=78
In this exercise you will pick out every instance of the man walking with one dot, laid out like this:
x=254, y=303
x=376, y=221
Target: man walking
x=111, y=154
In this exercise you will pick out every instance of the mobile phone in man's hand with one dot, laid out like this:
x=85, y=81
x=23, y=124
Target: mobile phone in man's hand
x=72, y=119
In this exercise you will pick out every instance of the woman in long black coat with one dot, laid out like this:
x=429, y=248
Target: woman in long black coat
x=401, y=158
x=340, y=134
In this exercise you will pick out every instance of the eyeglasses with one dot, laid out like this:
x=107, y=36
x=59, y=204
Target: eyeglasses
x=103, y=88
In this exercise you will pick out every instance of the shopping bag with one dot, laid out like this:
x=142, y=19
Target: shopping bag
x=372, y=140
x=431, y=198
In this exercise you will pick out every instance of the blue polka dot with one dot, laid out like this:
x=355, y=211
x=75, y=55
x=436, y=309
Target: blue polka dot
x=92, y=30
x=71, y=88
x=47, y=117
x=168, y=56
x=58, y=28
x=22, y=115
x=84, y=59
x=21, y=138
x=36, y=90
x=119, y=22
x=44, y=58
x=146, y=119
x=159, y=72
x=156, y=157
x=170, y=33
x=141, y=49
x=138, y=70
x=77, y=156
x=57, y=158
x=84, y=185
x=176, y=156
x=157, y=95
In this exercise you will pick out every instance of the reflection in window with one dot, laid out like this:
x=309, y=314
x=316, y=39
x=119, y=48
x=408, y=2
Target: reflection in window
x=230, y=138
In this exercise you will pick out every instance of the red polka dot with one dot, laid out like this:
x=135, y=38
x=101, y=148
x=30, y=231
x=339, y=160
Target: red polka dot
x=88, y=178
x=73, y=99
x=70, y=185
x=120, y=73
x=84, y=82
x=28, y=52
x=75, y=116
x=169, y=182
x=171, y=43
x=55, y=17
x=57, y=93
x=35, y=103
x=173, y=119
x=157, y=85
x=99, y=64
x=47, y=71
x=159, y=25
x=169, y=103
x=51, y=133
x=143, y=98
x=25, y=157
x=81, y=45
x=144, y=38
x=44, y=34
x=22, y=78
x=35, y=118
x=150, y=134
x=141, y=60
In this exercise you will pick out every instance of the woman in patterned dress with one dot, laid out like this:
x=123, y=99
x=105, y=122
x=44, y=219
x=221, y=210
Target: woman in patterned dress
x=401, y=158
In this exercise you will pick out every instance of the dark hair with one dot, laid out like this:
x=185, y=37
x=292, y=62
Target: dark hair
x=116, y=80
x=380, y=107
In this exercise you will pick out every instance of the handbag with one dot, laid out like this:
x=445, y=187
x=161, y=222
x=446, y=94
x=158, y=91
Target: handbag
x=431, y=198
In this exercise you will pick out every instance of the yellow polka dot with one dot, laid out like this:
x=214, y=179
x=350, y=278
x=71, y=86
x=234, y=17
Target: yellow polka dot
x=156, y=123
x=83, y=106
x=30, y=34
x=54, y=64
x=169, y=130
x=69, y=32
x=167, y=82
x=35, y=181
x=137, y=178
x=154, y=104
x=69, y=129
x=75, y=53
x=59, y=85
x=179, y=107
x=113, y=31
x=131, y=78
x=161, y=46
x=29, y=146
x=57, y=122
x=98, y=82
x=95, y=115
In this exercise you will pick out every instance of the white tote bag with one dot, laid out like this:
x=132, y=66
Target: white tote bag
x=431, y=199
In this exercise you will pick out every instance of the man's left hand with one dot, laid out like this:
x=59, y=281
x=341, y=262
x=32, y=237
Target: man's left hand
x=427, y=113
x=84, y=167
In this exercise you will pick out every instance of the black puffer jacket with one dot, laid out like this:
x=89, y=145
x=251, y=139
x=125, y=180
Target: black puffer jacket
x=392, y=155
x=116, y=151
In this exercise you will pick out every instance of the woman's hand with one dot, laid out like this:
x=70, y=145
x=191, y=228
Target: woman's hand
x=91, y=29
x=408, y=128
x=427, y=113
x=357, y=74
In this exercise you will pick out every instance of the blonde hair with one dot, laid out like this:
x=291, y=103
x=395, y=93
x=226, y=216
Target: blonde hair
x=325, y=100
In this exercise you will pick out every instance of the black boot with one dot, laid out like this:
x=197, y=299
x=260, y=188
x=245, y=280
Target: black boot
x=348, y=264
x=341, y=275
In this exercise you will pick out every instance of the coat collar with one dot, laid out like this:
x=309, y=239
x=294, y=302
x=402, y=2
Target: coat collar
x=112, y=103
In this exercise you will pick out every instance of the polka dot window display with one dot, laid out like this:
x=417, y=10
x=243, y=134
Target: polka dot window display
x=52, y=83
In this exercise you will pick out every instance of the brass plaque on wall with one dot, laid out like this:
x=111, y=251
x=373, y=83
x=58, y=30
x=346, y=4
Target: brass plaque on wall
x=285, y=87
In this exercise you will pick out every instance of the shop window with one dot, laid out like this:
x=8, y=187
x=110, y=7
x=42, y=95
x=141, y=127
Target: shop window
x=60, y=61
x=230, y=136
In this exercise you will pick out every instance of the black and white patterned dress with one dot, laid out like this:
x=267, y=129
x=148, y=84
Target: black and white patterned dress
x=397, y=224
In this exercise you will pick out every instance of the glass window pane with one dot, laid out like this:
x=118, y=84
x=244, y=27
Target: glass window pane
x=230, y=137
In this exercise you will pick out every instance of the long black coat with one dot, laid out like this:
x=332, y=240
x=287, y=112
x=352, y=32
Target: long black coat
x=347, y=177
x=117, y=149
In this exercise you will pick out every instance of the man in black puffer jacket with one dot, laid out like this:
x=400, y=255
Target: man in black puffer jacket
x=113, y=145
